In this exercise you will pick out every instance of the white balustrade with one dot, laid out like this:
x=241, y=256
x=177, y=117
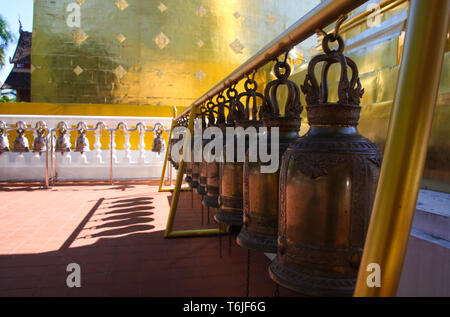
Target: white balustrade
x=94, y=164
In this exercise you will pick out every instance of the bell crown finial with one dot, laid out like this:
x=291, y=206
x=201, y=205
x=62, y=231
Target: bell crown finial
x=319, y=110
x=292, y=107
x=349, y=92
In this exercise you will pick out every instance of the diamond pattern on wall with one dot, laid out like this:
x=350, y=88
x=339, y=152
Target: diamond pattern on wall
x=119, y=72
x=200, y=43
x=162, y=7
x=200, y=75
x=237, y=15
x=78, y=70
x=80, y=2
x=121, y=38
x=237, y=46
x=121, y=4
x=78, y=36
x=161, y=40
x=201, y=11
x=160, y=73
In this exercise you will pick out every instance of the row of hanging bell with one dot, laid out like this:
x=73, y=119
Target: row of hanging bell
x=328, y=180
x=21, y=144
x=261, y=190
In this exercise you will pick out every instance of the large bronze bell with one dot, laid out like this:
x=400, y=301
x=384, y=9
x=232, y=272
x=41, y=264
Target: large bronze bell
x=4, y=143
x=328, y=181
x=158, y=144
x=39, y=143
x=82, y=142
x=260, y=222
x=231, y=175
x=20, y=144
x=63, y=142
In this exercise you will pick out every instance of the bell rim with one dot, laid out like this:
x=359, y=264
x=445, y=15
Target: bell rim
x=245, y=241
x=210, y=201
x=296, y=281
x=201, y=190
x=232, y=218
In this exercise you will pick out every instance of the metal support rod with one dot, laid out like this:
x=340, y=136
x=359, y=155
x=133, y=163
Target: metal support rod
x=166, y=158
x=55, y=179
x=220, y=245
x=321, y=16
x=46, y=184
x=111, y=158
x=202, y=215
x=247, y=281
x=51, y=156
x=406, y=146
x=176, y=193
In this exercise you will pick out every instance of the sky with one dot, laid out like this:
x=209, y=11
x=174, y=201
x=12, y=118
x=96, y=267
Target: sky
x=11, y=11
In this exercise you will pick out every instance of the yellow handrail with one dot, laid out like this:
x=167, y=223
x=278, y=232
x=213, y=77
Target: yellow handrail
x=406, y=146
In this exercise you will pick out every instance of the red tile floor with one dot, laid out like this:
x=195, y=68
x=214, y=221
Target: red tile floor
x=115, y=233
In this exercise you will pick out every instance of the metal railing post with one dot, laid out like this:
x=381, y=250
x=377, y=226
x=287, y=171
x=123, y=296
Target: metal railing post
x=406, y=146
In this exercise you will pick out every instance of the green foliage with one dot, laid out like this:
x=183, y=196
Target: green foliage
x=5, y=38
x=8, y=96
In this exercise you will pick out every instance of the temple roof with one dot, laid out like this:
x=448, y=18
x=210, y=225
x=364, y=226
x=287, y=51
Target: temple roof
x=19, y=78
x=22, y=55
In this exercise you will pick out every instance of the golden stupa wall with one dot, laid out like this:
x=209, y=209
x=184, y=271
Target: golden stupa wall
x=148, y=52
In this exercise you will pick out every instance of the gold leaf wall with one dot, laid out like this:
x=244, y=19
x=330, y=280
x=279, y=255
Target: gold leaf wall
x=147, y=52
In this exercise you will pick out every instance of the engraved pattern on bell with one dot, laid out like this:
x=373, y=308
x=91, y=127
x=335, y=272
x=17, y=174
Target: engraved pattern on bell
x=328, y=180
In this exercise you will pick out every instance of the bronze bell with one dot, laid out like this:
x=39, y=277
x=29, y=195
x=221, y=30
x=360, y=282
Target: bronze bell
x=4, y=143
x=201, y=188
x=195, y=165
x=20, y=144
x=260, y=222
x=62, y=143
x=158, y=144
x=82, y=142
x=211, y=199
x=39, y=143
x=328, y=180
x=231, y=175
